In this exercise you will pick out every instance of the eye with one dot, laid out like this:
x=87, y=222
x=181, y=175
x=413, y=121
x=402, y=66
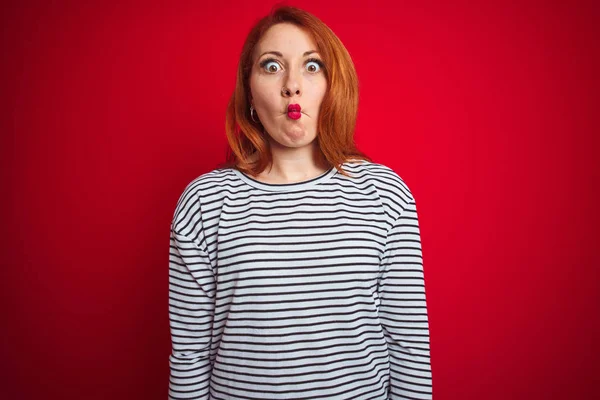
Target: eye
x=269, y=63
x=316, y=66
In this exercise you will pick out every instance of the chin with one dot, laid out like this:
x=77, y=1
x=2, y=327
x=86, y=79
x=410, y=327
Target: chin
x=294, y=141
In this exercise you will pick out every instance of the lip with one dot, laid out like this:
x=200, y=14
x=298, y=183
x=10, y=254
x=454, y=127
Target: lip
x=294, y=111
x=294, y=114
x=294, y=108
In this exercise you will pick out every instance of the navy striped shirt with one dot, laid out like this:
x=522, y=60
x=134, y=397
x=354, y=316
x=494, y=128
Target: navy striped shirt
x=308, y=290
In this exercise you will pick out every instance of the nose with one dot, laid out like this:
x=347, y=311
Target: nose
x=288, y=93
x=292, y=86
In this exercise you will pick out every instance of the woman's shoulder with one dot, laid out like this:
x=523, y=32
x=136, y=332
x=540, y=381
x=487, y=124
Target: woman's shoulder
x=389, y=184
x=379, y=172
x=208, y=179
x=204, y=185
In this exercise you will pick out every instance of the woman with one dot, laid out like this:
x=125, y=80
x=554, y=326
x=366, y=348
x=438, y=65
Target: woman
x=296, y=270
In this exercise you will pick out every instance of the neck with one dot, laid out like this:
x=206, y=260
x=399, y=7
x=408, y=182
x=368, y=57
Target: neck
x=295, y=164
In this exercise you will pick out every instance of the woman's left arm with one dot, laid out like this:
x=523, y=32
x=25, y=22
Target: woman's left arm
x=403, y=309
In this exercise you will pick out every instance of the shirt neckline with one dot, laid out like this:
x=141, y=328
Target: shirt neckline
x=287, y=187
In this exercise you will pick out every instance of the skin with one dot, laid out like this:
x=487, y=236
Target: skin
x=296, y=156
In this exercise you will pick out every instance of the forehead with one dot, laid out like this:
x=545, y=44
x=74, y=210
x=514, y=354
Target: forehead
x=286, y=38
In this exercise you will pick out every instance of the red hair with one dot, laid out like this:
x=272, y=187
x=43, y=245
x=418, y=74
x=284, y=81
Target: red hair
x=339, y=107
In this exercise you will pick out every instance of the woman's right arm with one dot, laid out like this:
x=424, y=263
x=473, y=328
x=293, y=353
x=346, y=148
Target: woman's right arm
x=191, y=311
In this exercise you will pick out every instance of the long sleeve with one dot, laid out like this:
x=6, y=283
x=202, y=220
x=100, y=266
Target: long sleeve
x=191, y=311
x=403, y=309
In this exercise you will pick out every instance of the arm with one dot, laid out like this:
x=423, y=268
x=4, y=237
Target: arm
x=191, y=310
x=403, y=309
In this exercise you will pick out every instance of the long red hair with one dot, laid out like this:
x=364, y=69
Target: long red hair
x=339, y=107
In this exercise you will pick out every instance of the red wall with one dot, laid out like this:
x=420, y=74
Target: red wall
x=488, y=110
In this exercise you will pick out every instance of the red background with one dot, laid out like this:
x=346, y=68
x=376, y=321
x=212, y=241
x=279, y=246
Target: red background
x=487, y=110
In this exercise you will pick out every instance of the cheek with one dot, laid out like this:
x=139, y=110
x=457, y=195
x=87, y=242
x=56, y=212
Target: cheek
x=318, y=88
x=263, y=93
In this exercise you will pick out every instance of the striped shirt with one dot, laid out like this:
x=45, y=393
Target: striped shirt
x=308, y=290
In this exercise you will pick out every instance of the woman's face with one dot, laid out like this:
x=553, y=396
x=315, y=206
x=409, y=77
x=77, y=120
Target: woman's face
x=295, y=69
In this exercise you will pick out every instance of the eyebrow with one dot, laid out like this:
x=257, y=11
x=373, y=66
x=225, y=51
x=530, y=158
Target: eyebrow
x=281, y=55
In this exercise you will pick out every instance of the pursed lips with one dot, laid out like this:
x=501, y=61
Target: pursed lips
x=294, y=108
